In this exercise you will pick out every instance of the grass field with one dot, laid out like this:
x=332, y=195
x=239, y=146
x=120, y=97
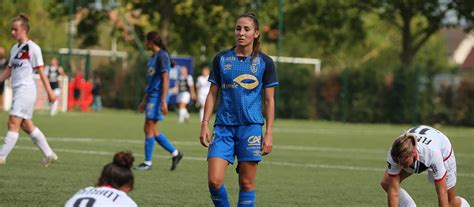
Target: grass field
x=314, y=163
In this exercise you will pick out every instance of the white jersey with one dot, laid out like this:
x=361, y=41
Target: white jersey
x=203, y=85
x=433, y=149
x=100, y=196
x=24, y=58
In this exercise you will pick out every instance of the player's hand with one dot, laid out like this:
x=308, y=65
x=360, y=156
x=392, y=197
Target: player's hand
x=164, y=108
x=52, y=98
x=141, y=107
x=267, y=144
x=204, y=137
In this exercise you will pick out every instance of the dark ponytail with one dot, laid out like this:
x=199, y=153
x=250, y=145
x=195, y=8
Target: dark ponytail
x=118, y=173
x=156, y=39
x=256, y=41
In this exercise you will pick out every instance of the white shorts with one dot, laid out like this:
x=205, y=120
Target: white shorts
x=450, y=165
x=57, y=92
x=23, y=102
x=184, y=97
x=202, y=99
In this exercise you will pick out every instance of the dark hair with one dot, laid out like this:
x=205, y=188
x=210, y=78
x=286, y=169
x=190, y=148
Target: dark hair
x=256, y=41
x=118, y=173
x=156, y=39
x=25, y=21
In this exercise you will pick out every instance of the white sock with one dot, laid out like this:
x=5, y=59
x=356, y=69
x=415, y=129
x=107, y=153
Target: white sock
x=201, y=114
x=186, y=114
x=174, y=153
x=405, y=199
x=181, y=115
x=54, y=108
x=8, y=143
x=464, y=203
x=40, y=141
x=147, y=163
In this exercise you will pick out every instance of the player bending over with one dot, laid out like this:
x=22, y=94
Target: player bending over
x=418, y=149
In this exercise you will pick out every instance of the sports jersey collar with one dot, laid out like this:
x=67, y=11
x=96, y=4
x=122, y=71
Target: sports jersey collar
x=238, y=57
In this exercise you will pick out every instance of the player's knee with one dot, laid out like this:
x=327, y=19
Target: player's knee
x=215, y=182
x=246, y=184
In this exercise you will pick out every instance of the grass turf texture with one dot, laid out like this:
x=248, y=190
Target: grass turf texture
x=313, y=163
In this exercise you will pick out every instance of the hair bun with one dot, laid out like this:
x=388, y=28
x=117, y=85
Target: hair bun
x=24, y=17
x=252, y=14
x=124, y=159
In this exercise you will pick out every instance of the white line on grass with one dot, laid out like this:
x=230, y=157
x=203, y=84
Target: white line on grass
x=333, y=167
x=282, y=147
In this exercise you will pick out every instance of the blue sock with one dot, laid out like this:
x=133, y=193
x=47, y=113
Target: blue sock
x=219, y=197
x=246, y=198
x=149, y=145
x=165, y=143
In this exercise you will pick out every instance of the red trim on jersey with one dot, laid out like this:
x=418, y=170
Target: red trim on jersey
x=107, y=186
x=37, y=67
x=445, y=173
x=450, y=152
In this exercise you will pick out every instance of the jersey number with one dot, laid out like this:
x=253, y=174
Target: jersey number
x=423, y=131
x=88, y=201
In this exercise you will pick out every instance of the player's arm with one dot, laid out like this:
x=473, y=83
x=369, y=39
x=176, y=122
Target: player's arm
x=442, y=192
x=393, y=189
x=269, y=111
x=61, y=71
x=192, y=90
x=45, y=81
x=6, y=73
x=211, y=99
x=141, y=106
x=164, y=92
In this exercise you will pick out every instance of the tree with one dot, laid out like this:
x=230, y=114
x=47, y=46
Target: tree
x=418, y=20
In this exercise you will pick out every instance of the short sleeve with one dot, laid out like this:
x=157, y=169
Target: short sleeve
x=11, y=57
x=270, y=78
x=215, y=76
x=190, y=80
x=392, y=167
x=163, y=62
x=36, y=58
x=437, y=166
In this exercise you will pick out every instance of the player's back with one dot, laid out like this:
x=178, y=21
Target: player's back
x=430, y=138
x=100, y=196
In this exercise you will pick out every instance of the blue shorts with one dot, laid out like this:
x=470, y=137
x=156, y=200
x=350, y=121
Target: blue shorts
x=241, y=141
x=153, y=108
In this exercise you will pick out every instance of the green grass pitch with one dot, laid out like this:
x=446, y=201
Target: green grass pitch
x=313, y=163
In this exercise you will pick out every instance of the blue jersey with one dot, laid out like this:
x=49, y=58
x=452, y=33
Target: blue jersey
x=241, y=81
x=157, y=64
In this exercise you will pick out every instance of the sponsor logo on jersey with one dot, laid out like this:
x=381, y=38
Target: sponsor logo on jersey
x=254, y=140
x=247, y=81
x=231, y=58
x=228, y=66
x=16, y=64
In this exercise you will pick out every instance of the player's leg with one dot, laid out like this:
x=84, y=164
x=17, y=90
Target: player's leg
x=404, y=198
x=248, y=151
x=247, y=174
x=54, y=106
x=164, y=142
x=181, y=111
x=40, y=141
x=216, y=169
x=11, y=137
x=151, y=117
x=220, y=154
x=454, y=200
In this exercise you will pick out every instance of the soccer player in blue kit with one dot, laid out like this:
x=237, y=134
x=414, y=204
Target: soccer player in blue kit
x=155, y=102
x=241, y=74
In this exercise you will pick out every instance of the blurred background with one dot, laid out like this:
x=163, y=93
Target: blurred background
x=351, y=61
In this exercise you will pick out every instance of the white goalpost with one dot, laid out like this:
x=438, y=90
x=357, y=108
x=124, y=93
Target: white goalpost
x=311, y=61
